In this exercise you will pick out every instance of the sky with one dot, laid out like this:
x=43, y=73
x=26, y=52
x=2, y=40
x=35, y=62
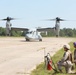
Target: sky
x=32, y=13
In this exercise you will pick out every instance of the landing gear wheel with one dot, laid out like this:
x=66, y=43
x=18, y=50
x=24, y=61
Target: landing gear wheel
x=27, y=39
x=40, y=39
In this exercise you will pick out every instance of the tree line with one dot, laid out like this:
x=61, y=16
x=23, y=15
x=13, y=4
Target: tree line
x=13, y=32
x=65, y=32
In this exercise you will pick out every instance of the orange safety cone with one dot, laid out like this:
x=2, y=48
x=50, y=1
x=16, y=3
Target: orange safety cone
x=49, y=67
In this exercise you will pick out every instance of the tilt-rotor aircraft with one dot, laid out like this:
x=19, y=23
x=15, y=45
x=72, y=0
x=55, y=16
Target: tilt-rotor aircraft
x=31, y=34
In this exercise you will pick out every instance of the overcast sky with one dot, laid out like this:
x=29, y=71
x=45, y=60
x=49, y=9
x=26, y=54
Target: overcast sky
x=32, y=12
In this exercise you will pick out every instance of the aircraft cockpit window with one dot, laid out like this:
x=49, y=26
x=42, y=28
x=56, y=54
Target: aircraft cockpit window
x=27, y=32
x=30, y=32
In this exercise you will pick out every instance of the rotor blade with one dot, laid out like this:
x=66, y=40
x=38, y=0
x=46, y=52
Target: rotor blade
x=8, y=19
x=49, y=19
x=66, y=20
x=3, y=19
x=63, y=20
x=13, y=18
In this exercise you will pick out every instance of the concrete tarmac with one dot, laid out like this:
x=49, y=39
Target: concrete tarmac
x=18, y=57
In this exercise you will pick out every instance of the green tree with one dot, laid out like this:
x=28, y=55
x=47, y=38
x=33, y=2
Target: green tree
x=2, y=31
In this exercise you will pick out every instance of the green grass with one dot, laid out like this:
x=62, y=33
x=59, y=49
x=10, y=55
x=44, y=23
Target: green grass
x=41, y=70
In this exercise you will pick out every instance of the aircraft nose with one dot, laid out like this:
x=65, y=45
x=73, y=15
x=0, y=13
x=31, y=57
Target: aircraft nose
x=28, y=36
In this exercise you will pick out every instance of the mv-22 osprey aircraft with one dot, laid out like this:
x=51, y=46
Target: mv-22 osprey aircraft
x=33, y=34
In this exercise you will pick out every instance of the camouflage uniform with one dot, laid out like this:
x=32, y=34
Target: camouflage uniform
x=66, y=61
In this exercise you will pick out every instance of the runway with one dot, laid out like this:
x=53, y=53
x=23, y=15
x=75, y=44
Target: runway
x=18, y=57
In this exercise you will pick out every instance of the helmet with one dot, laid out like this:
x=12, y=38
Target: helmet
x=74, y=43
x=66, y=46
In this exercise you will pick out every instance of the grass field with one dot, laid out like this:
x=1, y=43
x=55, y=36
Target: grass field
x=41, y=70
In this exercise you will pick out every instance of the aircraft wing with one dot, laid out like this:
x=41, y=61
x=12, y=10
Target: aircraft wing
x=19, y=29
x=45, y=29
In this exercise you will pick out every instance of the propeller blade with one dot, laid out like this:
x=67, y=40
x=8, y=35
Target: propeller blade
x=63, y=20
x=3, y=19
x=49, y=20
x=9, y=18
x=67, y=20
x=12, y=18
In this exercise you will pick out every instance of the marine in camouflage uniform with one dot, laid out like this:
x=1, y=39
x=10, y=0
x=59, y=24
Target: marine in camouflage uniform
x=66, y=61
